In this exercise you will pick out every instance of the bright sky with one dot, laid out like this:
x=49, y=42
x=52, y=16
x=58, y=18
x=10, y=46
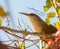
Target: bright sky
x=16, y=6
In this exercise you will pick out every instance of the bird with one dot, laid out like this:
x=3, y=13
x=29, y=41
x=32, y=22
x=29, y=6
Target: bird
x=39, y=25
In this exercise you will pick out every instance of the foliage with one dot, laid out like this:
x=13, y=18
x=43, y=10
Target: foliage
x=50, y=15
x=2, y=12
x=0, y=21
x=45, y=9
x=49, y=4
x=48, y=21
x=58, y=11
x=57, y=24
x=21, y=46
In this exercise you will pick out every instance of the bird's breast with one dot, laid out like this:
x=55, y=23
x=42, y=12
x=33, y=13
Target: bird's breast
x=36, y=23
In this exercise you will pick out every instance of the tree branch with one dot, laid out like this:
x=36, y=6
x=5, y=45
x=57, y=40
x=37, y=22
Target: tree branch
x=25, y=32
x=21, y=37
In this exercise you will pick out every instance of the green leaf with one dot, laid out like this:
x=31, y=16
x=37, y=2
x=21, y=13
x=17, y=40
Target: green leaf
x=45, y=9
x=0, y=21
x=58, y=11
x=2, y=12
x=21, y=46
x=48, y=21
x=57, y=24
x=51, y=14
x=49, y=3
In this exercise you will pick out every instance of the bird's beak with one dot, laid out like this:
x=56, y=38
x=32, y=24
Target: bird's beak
x=23, y=13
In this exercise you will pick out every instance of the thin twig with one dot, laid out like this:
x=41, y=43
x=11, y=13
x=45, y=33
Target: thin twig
x=37, y=46
x=19, y=24
x=35, y=10
x=7, y=41
x=22, y=37
x=32, y=44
